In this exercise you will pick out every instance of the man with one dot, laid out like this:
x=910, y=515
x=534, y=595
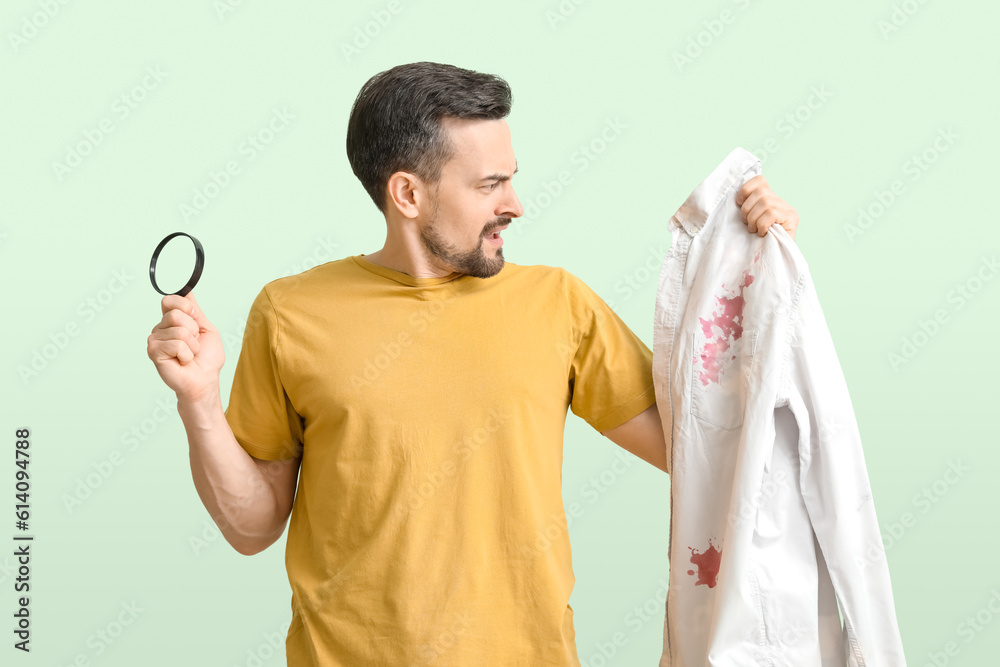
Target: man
x=422, y=390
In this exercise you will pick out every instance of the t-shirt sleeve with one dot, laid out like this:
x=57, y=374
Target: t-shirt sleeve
x=611, y=375
x=260, y=413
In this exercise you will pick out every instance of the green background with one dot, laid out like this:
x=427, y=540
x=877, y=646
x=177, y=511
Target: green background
x=223, y=73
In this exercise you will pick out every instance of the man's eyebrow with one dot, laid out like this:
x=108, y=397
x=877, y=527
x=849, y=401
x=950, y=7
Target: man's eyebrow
x=498, y=176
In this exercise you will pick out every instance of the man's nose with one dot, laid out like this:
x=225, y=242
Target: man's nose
x=512, y=205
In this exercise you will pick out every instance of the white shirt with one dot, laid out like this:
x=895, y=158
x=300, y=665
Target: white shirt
x=772, y=518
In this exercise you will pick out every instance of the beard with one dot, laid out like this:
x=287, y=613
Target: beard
x=473, y=262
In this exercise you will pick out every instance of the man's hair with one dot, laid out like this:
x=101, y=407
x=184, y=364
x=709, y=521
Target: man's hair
x=395, y=123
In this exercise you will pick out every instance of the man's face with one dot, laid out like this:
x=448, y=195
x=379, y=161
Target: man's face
x=474, y=198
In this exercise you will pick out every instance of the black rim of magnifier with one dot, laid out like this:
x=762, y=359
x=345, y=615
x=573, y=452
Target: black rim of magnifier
x=199, y=264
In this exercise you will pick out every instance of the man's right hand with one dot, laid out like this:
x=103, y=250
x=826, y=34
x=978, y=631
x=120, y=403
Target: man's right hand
x=186, y=349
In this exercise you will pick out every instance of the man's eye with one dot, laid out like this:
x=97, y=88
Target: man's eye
x=492, y=186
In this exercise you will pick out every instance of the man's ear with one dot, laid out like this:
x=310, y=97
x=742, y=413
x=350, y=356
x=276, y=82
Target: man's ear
x=407, y=193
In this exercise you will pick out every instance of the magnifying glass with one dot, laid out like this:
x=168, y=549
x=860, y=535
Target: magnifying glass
x=174, y=264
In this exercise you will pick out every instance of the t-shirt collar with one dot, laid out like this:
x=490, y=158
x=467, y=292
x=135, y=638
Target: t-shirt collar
x=401, y=277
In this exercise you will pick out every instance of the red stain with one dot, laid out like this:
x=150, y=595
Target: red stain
x=729, y=323
x=708, y=563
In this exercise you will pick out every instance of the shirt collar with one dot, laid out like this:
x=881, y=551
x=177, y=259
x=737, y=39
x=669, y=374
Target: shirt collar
x=705, y=198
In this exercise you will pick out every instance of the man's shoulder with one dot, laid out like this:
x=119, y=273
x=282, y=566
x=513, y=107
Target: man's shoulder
x=550, y=282
x=538, y=272
x=316, y=276
x=303, y=289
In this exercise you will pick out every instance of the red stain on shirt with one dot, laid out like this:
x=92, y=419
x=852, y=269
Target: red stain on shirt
x=708, y=562
x=721, y=330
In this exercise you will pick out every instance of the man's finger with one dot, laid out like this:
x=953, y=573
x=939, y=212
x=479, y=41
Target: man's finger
x=197, y=313
x=748, y=187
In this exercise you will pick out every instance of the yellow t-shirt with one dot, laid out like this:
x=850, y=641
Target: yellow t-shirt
x=428, y=526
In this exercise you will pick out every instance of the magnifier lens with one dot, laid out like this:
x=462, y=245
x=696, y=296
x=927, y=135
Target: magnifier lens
x=174, y=265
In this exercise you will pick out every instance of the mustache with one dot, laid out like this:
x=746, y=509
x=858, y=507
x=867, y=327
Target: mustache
x=500, y=222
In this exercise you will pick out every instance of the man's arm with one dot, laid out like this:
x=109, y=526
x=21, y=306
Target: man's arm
x=643, y=436
x=249, y=499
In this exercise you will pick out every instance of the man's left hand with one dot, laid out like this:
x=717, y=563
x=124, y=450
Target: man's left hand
x=761, y=208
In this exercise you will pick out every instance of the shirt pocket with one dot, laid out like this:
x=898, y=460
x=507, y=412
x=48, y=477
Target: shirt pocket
x=719, y=370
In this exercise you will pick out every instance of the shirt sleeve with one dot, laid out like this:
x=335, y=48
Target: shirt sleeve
x=611, y=375
x=260, y=412
x=835, y=487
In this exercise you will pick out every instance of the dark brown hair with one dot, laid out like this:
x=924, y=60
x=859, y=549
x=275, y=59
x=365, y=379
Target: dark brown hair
x=395, y=123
